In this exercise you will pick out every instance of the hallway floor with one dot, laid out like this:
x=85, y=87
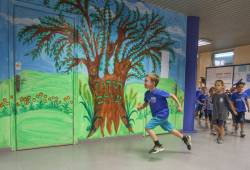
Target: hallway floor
x=131, y=153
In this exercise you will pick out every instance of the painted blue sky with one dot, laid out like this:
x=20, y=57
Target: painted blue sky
x=176, y=26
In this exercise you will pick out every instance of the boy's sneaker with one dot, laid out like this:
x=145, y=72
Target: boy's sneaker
x=187, y=141
x=157, y=149
x=242, y=134
x=213, y=132
x=219, y=141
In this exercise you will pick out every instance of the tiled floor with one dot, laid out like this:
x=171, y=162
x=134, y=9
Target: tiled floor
x=131, y=153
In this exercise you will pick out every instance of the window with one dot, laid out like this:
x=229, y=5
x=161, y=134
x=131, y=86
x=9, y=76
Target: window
x=224, y=58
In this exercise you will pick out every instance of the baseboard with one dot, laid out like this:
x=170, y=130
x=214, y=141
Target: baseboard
x=2, y=150
x=189, y=131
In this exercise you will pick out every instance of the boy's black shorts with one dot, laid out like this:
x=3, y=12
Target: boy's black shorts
x=208, y=114
x=240, y=117
x=218, y=122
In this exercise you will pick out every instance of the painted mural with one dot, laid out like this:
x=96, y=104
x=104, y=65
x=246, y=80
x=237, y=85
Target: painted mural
x=73, y=70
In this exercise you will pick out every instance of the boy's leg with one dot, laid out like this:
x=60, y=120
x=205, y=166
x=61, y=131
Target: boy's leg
x=242, y=121
x=206, y=118
x=220, y=130
x=234, y=124
x=149, y=128
x=152, y=134
x=177, y=133
x=168, y=127
x=242, y=133
x=211, y=124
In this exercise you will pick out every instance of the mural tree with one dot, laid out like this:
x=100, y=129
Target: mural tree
x=111, y=40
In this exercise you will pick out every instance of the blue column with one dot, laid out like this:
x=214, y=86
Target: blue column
x=191, y=72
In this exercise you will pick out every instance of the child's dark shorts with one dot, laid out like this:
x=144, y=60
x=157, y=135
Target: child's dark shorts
x=240, y=117
x=218, y=122
x=199, y=107
x=208, y=114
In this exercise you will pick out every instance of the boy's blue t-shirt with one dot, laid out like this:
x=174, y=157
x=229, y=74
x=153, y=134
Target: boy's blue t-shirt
x=157, y=99
x=209, y=103
x=240, y=100
x=202, y=98
x=197, y=94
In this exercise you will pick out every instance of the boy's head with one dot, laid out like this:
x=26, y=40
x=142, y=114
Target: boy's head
x=151, y=80
x=233, y=89
x=211, y=91
x=204, y=90
x=240, y=86
x=219, y=85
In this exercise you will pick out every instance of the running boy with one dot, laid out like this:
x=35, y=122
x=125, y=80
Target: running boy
x=241, y=104
x=157, y=99
x=221, y=106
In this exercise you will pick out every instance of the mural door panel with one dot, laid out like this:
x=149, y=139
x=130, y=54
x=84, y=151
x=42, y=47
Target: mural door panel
x=44, y=96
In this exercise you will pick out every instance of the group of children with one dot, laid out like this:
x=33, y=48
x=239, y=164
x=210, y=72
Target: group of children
x=218, y=103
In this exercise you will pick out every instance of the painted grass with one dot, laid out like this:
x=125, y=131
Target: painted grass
x=43, y=128
x=52, y=127
x=5, y=132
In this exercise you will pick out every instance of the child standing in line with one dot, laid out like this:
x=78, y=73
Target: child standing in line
x=241, y=104
x=157, y=99
x=209, y=109
x=221, y=106
x=201, y=103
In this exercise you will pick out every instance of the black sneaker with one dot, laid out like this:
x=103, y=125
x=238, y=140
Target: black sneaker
x=157, y=149
x=187, y=141
x=242, y=134
x=219, y=141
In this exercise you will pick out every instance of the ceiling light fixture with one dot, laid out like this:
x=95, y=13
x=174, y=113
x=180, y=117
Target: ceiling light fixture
x=203, y=42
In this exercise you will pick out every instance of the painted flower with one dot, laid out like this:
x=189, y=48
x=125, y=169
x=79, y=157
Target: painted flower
x=66, y=98
x=5, y=100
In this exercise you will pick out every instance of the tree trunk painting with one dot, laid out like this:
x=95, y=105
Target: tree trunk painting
x=111, y=40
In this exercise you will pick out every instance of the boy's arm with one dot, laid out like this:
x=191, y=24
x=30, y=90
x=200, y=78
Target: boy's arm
x=248, y=106
x=177, y=101
x=231, y=105
x=142, y=106
x=198, y=101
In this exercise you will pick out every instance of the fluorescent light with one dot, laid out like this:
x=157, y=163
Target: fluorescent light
x=225, y=54
x=203, y=42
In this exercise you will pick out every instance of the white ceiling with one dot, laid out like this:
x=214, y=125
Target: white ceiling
x=225, y=22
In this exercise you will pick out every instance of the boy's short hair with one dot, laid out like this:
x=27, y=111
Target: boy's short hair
x=154, y=78
x=212, y=89
x=240, y=83
x=204, y=88
x=219, y=81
